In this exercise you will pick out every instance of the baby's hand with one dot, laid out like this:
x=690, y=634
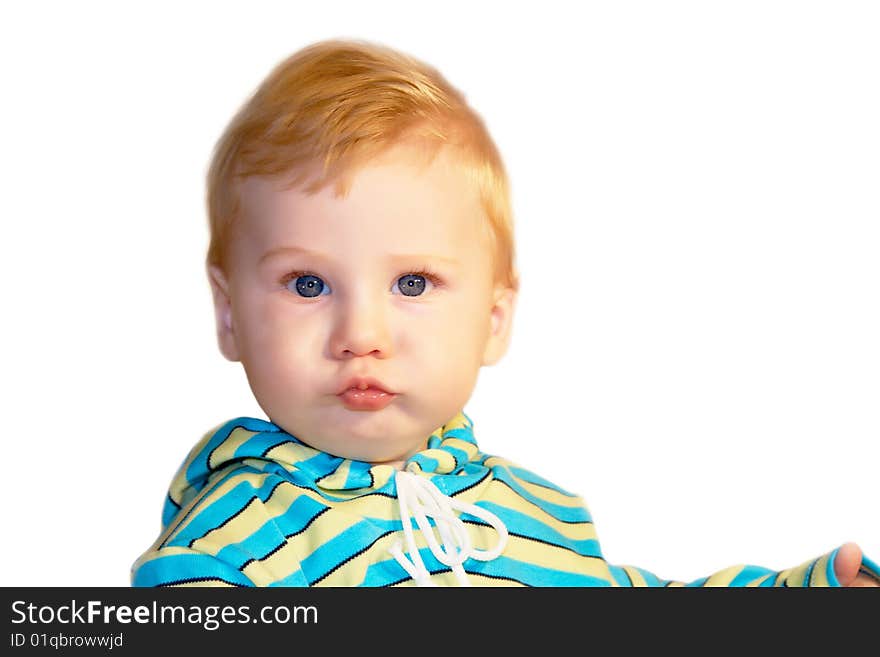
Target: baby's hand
x=846, y=567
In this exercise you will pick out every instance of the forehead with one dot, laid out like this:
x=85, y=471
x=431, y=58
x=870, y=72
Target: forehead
x=396, y=202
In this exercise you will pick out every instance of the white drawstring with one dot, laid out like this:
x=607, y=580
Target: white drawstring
x=426, y=501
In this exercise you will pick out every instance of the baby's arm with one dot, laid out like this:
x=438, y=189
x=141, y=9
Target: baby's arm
x=844, y=566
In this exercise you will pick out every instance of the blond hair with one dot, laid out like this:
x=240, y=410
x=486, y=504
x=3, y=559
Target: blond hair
x=330, y=108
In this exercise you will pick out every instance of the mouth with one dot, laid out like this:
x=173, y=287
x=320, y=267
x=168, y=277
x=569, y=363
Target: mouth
x=370, y=399
x=365, y=394
x=363, y=383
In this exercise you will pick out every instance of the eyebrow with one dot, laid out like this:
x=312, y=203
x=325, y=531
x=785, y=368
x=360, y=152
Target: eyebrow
x=298, y=250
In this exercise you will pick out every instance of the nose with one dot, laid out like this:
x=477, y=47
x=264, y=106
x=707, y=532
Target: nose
x=361, y=328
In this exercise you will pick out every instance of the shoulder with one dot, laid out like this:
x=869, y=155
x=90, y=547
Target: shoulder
x=510, y=471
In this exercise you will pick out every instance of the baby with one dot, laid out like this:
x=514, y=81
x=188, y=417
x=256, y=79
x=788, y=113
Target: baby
x=362, y=269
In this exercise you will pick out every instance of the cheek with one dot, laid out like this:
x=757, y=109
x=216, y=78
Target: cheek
x=458, y=333
x=448, y=359
x=277, y=348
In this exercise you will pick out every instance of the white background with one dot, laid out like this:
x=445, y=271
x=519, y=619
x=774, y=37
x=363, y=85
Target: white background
x=698, y=219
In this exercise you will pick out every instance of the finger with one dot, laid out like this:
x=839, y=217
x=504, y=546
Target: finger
x=847, y=562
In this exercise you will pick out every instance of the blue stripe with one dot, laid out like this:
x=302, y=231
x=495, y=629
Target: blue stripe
x=272, y=534
x=697, y=582
x=459, y=455
x=427, y=463
x=749, y=574
x=474, y=469
x=384, y=573
x=808, y=574
x=260, y=443
x=867, y=564
x=768, y=583
x=320, y=465
x=296, y=578
x=305, y=481
x=532, y=478
x=345, y=545
x=175, y=567
x=218, y=512
x=191, y=512
x=462, y=433
x=829, y=570
x=169, y=511
x=453, y=485
x=558, y=511
x=198, y=469
x=650, y=578
x=263, y=541
x=358, y=475
x=533, y=574
x=620, y=576
x=298, y=515
x=521, y=524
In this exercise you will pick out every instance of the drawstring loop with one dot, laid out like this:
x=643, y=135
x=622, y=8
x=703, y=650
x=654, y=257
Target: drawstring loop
x=420, y=499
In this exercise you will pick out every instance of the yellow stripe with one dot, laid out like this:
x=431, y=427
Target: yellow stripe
x=502, y=495
x=635, y=576
x=552, y=496
x=561, y=497
x=457, y=443
x=225, y=451
x=242, y=526
x=555, y=558
x=724, y=577
x=457, y=422
x=323, y=529
x=794, y=577
x=291, y=453
x=819, y=576
x=286, y=560
x=211, y=494
x=782, y=576
x=280, y=564
x=183, y=517
x=375, y=506
x=355, y=569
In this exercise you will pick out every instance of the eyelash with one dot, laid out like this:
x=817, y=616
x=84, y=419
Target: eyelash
x=425, y=272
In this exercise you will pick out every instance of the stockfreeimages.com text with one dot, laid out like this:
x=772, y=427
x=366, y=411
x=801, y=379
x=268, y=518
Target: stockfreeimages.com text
x=210, y=617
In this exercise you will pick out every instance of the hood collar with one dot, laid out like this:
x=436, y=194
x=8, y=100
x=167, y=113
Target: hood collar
x=450, y=448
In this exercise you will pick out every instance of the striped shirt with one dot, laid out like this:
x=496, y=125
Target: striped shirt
x=253, y=506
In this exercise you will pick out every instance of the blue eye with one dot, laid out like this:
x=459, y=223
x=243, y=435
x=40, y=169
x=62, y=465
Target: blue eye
x=308, y=285
x=411, y=285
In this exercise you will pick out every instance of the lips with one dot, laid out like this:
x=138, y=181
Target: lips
x=365, y=394
x=364, y=383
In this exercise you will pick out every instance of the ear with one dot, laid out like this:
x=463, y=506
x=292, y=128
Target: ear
x=223, y=313
x=500, y=324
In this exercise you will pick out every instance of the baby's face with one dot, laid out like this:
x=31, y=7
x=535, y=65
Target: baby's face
x=322, y=291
